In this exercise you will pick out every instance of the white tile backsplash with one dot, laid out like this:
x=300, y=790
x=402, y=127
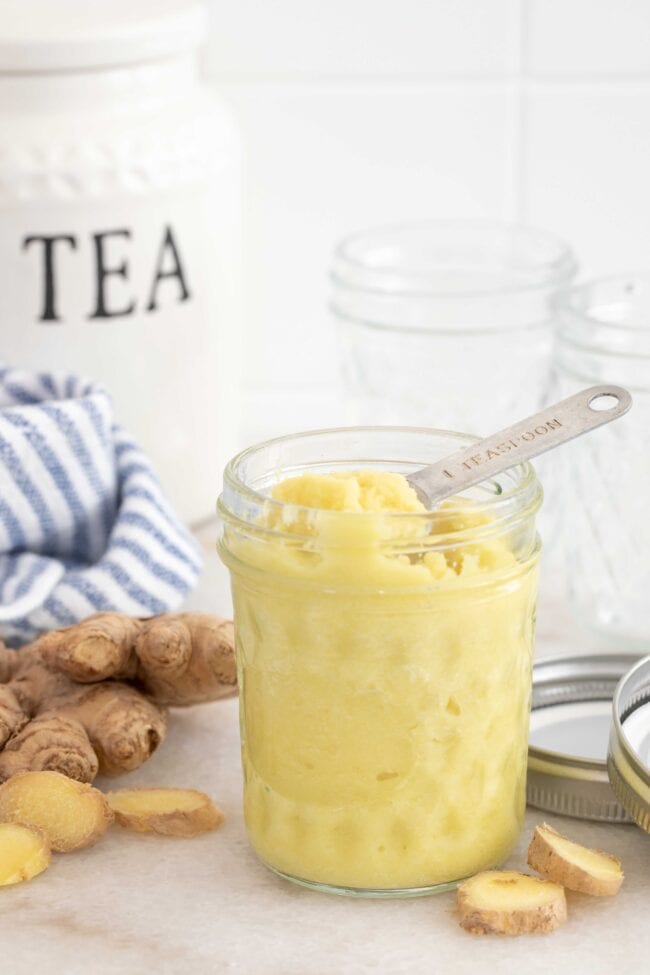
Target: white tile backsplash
x=359, y=112
x=322, y=162
x=587, y=165
x=376, y=38
x=276, y=412
x=588, y=37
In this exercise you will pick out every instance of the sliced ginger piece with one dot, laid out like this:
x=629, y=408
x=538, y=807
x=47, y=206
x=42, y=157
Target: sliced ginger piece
x=170, y=812
x=71, y=814
x=577, y=867
x=507, y=902
x=24, y=853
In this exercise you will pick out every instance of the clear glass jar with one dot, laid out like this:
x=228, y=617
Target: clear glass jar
x=604, y=337
x=447, y=324
x=384, y=705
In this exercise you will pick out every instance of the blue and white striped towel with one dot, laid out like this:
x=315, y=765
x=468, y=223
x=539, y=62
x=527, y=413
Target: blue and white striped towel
x=84, y=525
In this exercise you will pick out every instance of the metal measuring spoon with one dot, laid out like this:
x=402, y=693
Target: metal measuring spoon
x=528, y=438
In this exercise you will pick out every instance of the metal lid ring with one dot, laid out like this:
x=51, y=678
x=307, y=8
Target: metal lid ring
x=628, y=768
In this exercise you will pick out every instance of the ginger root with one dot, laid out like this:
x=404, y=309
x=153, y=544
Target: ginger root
x=170, y=812
x=177, y=659
x=507, y=902
x=71, y=814
x=91, y=698
x=574, y=866
x=24, y=853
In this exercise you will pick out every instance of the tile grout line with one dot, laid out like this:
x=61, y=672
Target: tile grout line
x=363, y=83
x=468, y=81
x=519, y=110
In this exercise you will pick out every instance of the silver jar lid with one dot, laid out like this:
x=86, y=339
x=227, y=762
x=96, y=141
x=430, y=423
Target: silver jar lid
x=571, y=717
x=628, y=761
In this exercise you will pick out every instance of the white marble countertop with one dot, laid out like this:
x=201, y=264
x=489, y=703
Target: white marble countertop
x=138, y=904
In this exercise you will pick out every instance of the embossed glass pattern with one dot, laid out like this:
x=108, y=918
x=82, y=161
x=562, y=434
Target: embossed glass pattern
x=447, y=324
x=384, y=710
x=604, y=336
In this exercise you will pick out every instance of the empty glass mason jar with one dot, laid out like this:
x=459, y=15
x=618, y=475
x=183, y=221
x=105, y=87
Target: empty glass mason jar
x=604, y=337
x=384, y=665
x=447, y=324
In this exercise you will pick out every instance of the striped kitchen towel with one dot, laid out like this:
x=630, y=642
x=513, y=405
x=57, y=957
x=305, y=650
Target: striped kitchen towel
x=84, y=524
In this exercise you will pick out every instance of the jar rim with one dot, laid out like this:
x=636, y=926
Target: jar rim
x=567, y=304
x=522, y=494
x=351, y=272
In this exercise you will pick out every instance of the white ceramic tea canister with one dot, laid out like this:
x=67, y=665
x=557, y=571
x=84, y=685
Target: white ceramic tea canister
x=120, y=223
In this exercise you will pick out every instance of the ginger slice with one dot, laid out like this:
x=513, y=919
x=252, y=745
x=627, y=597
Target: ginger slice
x=507, y=902
x=574, y=866
x=71, y=814
x=170, y=812
x=24, y=853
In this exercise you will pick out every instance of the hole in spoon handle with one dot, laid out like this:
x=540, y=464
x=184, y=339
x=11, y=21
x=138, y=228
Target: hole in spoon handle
x=551, y=427
x=603, y=404
x=609, y=398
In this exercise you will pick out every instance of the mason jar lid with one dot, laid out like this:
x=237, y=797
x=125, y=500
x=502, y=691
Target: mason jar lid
x=41, y=35
x=628, y=760
x=571, y=718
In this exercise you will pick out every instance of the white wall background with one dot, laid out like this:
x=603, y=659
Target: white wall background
x=361, y=112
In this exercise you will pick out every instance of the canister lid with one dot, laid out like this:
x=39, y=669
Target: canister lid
x=628, y=760
x=42, y=35
x=571, y=717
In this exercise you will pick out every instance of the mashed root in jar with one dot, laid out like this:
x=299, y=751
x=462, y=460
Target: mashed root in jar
x=385, y=684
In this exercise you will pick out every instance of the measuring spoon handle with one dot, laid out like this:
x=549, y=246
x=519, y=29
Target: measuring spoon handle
x=528, y=438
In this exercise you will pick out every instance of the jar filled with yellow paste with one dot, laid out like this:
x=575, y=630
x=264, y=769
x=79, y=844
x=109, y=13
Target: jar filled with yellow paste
x=384, y=656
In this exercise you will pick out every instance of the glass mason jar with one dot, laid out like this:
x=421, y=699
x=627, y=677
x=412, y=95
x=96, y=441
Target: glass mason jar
x=384, y=666
x=447, y=324
x=604, y=337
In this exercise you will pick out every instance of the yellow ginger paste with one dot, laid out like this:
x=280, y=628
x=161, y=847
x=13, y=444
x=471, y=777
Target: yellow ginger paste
x=384, y=696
